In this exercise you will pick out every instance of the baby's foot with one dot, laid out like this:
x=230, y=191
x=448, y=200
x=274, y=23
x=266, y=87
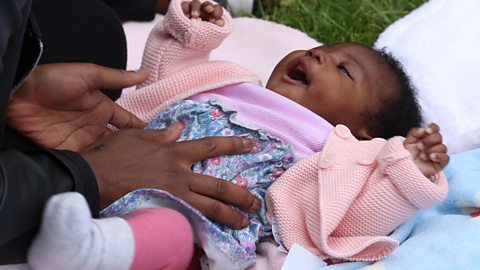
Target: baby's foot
x=70, y=239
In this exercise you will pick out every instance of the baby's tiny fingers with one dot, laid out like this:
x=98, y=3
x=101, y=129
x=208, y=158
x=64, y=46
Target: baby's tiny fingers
x=432, y=140
x=432, y=128
x=186, y=9
x=195, y=9
x=414, y=135
x=439, y=148
x=217, y=12
x=219, y=22
x=440, y=158
x=207, y=7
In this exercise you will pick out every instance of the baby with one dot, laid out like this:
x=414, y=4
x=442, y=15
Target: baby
x=326, y=179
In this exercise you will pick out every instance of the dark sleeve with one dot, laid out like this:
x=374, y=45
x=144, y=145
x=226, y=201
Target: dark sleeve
x=10, y=20
x=28, y=175
x=27, y=180
x=133, y=10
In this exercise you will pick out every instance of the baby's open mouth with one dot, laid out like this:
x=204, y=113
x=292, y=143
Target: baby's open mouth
x=297, y=73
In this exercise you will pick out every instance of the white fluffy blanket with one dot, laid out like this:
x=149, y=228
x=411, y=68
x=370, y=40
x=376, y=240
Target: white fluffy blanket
x=438, y=45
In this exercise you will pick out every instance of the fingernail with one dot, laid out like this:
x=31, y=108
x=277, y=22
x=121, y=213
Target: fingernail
x=176, y=126
x=209, y=8
x=420, y=146
x=181, y=124
x=434, y=157
x=245, y=222
x=247, y=143
x=138, y=70
x=423, y=156
x=195, y=14
x=428, y=130
x=256, y=206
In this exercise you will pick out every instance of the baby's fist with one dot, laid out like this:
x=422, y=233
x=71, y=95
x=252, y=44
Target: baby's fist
x=426, y=147
x=205, y=11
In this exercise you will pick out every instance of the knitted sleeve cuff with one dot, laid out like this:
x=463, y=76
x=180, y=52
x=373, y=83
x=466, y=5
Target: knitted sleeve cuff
x=195, y=34
x=85, y=181
x=396, y=162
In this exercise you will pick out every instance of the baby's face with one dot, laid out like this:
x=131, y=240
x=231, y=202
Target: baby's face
x=333, y=81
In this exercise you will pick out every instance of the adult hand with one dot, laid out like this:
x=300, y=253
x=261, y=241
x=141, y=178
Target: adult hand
x=426, y=147
x=60, y=105
x=132, y=158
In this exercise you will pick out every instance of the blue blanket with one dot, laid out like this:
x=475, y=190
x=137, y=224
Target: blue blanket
x=445, y=237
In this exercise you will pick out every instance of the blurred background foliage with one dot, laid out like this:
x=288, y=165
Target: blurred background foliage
x=331, y=21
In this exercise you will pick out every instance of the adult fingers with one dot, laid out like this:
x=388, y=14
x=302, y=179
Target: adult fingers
x=99, y=77
x=167, y=135
x=218, y=211
x=122, y=118
x=213, y=147
x=225, y=191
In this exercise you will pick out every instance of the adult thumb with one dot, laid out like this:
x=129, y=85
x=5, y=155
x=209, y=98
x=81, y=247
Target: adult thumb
x=101, y=77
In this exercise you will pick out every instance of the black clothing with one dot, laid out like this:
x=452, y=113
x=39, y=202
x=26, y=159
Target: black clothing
x=88, y=30
x=82, y=31
x=72, y=31
x=133, y=10
x=29, y=175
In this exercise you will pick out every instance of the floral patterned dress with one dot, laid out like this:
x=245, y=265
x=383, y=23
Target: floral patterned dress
x=256, y=171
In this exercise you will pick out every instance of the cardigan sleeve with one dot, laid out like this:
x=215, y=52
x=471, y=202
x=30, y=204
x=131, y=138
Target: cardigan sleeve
x=178, y=42
x=395, y=190
x=177, y=56
x=417, y=189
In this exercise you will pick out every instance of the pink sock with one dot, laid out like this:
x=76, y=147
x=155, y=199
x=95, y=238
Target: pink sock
x=163, y=239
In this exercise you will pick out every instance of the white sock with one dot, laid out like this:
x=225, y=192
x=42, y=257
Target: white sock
x=70, y=239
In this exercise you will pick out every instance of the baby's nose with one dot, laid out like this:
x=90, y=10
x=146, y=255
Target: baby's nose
x=318, y=55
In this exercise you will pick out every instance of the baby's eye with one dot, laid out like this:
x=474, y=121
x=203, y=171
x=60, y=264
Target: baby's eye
x=344, y=71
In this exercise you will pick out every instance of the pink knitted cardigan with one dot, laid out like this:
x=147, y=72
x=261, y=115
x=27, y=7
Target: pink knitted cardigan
x=341, y=203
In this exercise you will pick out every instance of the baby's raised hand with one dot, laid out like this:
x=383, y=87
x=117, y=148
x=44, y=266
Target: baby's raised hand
x=427, y=149
x=205, y=11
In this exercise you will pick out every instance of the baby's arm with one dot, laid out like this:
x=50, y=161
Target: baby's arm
x=184, y=37
x=426, y=147
x=177, y=56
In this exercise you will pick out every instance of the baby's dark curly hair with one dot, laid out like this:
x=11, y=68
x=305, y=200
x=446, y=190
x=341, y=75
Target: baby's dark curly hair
x=398, y=113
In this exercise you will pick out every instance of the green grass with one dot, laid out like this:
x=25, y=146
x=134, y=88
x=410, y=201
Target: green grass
x=331, y=21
